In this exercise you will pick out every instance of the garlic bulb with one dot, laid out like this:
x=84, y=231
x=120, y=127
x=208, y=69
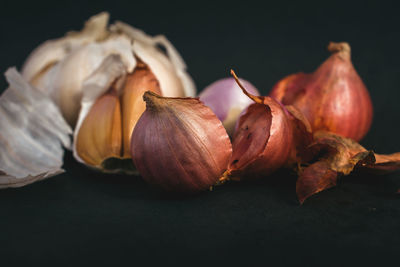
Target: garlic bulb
x=63, y=79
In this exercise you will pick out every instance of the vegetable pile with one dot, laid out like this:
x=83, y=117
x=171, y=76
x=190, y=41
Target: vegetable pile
x=130, y=107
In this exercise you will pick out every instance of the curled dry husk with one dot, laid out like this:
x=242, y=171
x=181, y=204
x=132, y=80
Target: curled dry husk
x=72, y=72
x=31, y=140
x=332, y=156
x=180, y=143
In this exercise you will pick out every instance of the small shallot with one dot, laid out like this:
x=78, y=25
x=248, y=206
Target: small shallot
x=333, y=98
x=263, y=141
x=179, y=144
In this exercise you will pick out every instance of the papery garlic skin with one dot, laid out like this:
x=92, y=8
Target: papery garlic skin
x=333, y=98
x=59, y=67
x=179, y=144
x=48, y=54
x=63, y=82
x=227, y=100
x=32, y=134
x=169, y=68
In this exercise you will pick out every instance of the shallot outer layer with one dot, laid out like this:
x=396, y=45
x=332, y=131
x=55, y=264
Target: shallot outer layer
x=263, y=140
x=180, y=145
x=333, y=98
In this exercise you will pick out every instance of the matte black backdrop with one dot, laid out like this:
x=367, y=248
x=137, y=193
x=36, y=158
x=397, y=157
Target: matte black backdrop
x=83, y=217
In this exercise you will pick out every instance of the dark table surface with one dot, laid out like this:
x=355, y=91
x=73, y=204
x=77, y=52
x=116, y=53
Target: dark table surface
x=85, y=217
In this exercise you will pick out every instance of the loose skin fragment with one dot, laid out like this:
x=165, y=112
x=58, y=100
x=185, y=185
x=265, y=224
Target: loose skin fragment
x=32, y=134
x=334, y=156
x=315, y=178
x=302, y=135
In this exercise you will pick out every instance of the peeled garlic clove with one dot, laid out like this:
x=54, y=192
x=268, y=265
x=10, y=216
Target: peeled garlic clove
x=263, y=141
x=100, y=136
x=333, y=98
x=227, y=100
x=179, y=144
x=140, y=81
x=31, y=140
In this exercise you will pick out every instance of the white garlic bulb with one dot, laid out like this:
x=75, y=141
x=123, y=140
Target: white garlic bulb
x=79, y=70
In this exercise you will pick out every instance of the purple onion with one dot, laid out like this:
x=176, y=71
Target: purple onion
x=227, y=100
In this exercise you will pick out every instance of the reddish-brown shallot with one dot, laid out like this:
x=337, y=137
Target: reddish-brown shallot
x=179, y=144
x=333, y=98
x=263, y=141
x=227, y=100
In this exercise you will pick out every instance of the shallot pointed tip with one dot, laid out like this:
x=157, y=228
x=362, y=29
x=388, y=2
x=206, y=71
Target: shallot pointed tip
x=151, y=99
x=341, y=47
x=256, y=99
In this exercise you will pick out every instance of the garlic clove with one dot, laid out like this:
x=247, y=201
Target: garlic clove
x=104, y=81
x=140, y=81
x=179, y=144
x=100, y=136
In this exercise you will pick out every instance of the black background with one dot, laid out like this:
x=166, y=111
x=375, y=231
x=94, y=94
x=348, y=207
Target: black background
x=85, y=217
